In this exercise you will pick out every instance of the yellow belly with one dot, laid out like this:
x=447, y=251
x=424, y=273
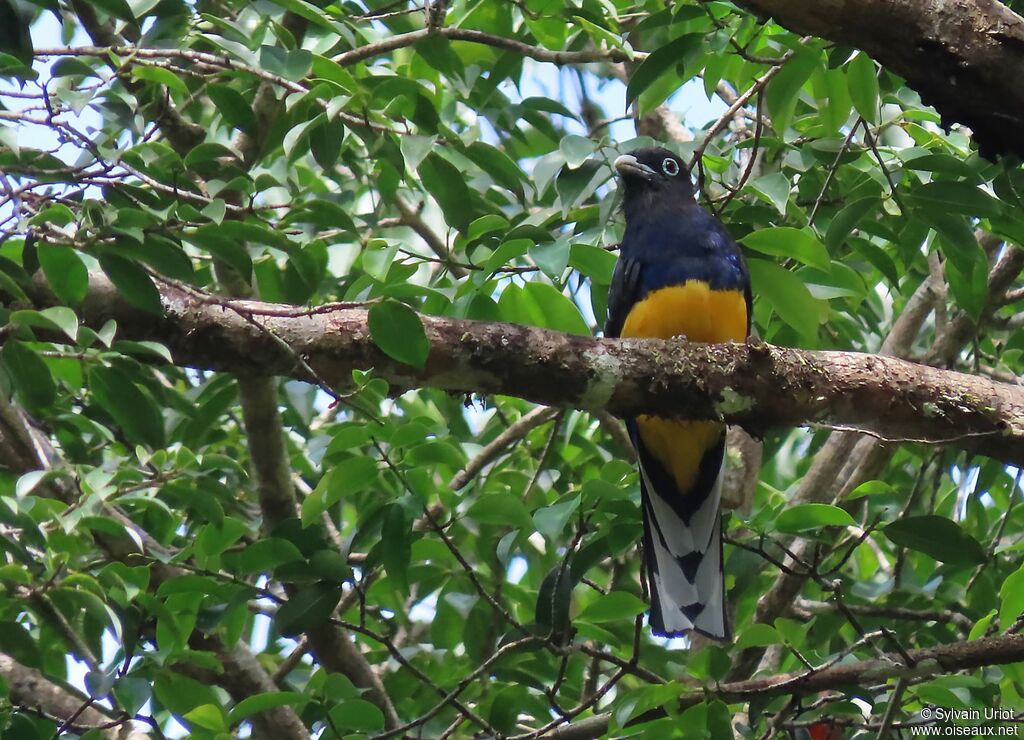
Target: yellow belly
x=692, y=310
x=700, y=314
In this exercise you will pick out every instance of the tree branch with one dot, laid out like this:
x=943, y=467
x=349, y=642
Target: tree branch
x=753, y=385
x=962, y=621
x=538, y=53
x=515, y=432
x=332, y=646
x=922, y=663
x=30, y=689
x=955, y=53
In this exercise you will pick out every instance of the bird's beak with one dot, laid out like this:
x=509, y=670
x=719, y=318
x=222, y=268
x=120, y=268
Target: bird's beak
x=628, y=166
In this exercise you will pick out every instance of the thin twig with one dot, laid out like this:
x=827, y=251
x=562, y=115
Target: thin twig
x=833, y=169
x=741, y=101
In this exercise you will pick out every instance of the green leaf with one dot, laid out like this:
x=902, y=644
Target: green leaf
x=937, y=537
x=415, y=149
x=603, y=34
x=1011, y=596
x=134, y=411
x=311, y=13
x=803, y=517
x=943, y=196
x=496, y=163
x=959, y=244
x=775, y=187
x=660, y=61
x=596, y=263
x=552, y=258
x=133, y=693
x=576, y=149
x=783, y=89
x=551, y=521
x=117, y=8
x=870, y=488
x=133, y=283
x=505, y=707
x=357, y=715
x=181, y=694
x=613, y=607
x=844, y=222
x=877, y=257
x=645, y=698
x=970, y=288
x=507, y=253
x=863, y=86
x=980, y=628
x=65, y=272
x=262, y=556
x=489, y=224
x=212, y=239
x=309, y=607
x=345, y=478
x=328, y=69
x=557, y=310
x=165, y=256
x=785, y=241
x=553, y=600
x=15, y=39
x=268, y=700
x=71, y=67
x=207, y=716
x=396, y=546
x=233, y=107
x=161, y=76
x=329, y=565
x=292, y=65
x=502, y=509
x=325, y=142
x=399, y=332
x=29, y=374
x=787, y=295
x=944, y=163
x=758, y=635
x=448, y=187
x=215, y=210
x=54, y=318
x=17, y=642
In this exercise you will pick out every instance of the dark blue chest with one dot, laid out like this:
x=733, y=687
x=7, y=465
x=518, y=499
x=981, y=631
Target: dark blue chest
x=673, y=246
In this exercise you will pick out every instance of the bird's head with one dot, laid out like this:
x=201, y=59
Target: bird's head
x=653, y=173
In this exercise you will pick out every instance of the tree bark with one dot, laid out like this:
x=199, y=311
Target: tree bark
x=754, y=385
x=920, y=664
x=960, y=55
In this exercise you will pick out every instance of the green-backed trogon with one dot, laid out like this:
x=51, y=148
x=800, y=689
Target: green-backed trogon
x=679, y=274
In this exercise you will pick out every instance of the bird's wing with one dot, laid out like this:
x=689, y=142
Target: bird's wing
x=622, y=294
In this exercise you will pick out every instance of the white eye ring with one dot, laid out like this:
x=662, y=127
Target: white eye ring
x=670, y=167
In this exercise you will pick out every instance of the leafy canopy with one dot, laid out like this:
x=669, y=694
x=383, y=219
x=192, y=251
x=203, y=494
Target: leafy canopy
x=311, y=152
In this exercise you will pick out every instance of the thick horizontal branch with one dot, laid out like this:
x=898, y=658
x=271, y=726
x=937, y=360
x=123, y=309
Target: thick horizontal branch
x=30, y=689
x=753, y=385
x=949, y=658
x=955, y=53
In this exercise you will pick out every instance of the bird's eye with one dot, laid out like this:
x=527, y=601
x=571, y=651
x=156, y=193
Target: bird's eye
x=670, y=167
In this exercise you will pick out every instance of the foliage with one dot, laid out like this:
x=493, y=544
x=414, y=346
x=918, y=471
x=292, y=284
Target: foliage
x=249, y=151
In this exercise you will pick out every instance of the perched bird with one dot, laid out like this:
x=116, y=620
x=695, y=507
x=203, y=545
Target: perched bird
x=679, y=274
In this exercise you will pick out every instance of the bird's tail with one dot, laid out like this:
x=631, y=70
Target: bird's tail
x=683, y=551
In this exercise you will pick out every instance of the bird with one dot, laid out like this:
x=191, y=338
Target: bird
x=679, y=274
